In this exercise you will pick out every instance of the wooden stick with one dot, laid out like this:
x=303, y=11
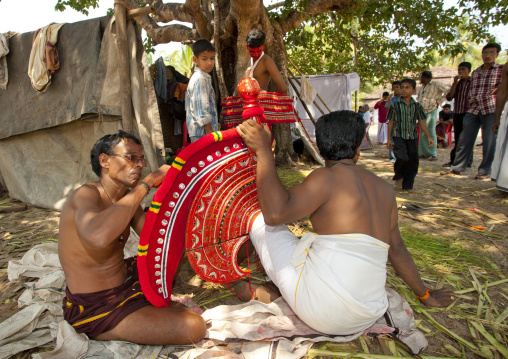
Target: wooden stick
x=303, y=103
x=131, y=14
x=319, y=97
x=300, y=84
x=123, y=67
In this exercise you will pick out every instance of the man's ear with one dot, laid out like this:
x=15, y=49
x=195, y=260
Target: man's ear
x=194, y=59
x=104, y=160
x=357, y=155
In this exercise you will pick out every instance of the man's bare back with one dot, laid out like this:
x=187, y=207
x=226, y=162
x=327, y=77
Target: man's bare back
x=358, y=201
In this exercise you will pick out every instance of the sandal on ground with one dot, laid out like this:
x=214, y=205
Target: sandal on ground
x=446, y=164
x=433, y=158
x=481, y=176
x=449, y=172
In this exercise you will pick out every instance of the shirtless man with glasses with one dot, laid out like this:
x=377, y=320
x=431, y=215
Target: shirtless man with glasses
x=103, y=296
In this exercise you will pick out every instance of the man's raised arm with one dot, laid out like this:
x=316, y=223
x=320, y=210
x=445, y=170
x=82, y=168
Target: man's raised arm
x=280, y=206
x=277, y=78
x=99, y=228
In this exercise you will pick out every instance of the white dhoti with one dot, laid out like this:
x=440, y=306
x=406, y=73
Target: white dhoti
x=500, y=164
x=382, y=133
x=334, y=283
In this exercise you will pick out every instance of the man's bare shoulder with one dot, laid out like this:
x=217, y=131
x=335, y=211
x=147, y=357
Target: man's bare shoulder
x=88, y=192
x=379, y=183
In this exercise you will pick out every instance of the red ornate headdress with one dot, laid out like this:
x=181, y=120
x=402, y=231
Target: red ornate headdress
x=206, y=205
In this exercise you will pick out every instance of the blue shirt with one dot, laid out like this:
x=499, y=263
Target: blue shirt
x=394, y=99
x=200, y=104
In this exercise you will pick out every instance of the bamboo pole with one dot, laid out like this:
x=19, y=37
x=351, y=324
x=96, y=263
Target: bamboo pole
x=123, y=66
x=303, y=102
x=300, y=84
x=319, y=97
x=131, y=14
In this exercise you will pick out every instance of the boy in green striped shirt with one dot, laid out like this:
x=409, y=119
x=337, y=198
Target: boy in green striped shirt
x=405, y=116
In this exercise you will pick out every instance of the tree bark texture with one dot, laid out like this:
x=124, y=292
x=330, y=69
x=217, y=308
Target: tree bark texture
x=235, y=19
x=123, y=64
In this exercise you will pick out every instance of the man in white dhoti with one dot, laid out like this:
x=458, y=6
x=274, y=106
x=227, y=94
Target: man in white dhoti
x=333, y=279
x=500, y=164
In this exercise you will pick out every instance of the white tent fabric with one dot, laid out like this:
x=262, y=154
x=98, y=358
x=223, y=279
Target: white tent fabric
x=334, y=89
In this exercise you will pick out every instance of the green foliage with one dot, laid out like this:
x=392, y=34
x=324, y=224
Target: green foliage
x=181, y=60
x=391, y=38
x=79, y=5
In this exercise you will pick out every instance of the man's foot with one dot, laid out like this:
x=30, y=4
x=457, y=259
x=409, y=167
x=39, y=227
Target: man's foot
x=265, y=293
x=449, y=172
x=482, y=177
x=448, y=164
x=433, y=158
x=409, y=190
x=398, y=183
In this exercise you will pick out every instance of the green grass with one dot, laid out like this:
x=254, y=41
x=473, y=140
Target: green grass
x=291, y=177
x=440, y=252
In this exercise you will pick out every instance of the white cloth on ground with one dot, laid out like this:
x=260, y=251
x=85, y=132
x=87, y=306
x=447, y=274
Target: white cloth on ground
x=382, y=133
x=37, y=65
x=334, y=283
x=500, y=164
x=273, y=329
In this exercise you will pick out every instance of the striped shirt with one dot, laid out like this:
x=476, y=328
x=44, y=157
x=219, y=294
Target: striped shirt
x=482, y=84
x=432, y=95
x=461, y=96
x=405, y=118
x=200, y=104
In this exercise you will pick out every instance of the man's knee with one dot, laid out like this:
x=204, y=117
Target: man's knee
x=196, y=327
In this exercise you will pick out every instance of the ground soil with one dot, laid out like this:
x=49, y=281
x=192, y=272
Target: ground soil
x=460, y=207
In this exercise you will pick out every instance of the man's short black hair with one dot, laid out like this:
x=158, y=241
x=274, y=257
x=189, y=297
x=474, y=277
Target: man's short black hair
x=202, y=45
x=105, y=145
x=409, y=81
x=465, y=64
x=386, y=94
x=447, y=105
x=427, y=74
x=492, y=45
x=339, y=134
x=255, y=38
x=395, y=83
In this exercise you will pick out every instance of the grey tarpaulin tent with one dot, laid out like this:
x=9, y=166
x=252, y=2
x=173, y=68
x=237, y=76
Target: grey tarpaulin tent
x=45, y=138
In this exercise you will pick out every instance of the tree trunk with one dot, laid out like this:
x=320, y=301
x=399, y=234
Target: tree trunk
x=229, y=28
x=238, y=18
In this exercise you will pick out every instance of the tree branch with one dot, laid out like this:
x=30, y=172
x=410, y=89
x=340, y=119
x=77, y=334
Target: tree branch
x=170, y=11
x=275, y=6
x=161, y=34
x=193, y=8
x=313, y=8
x=372, y=56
